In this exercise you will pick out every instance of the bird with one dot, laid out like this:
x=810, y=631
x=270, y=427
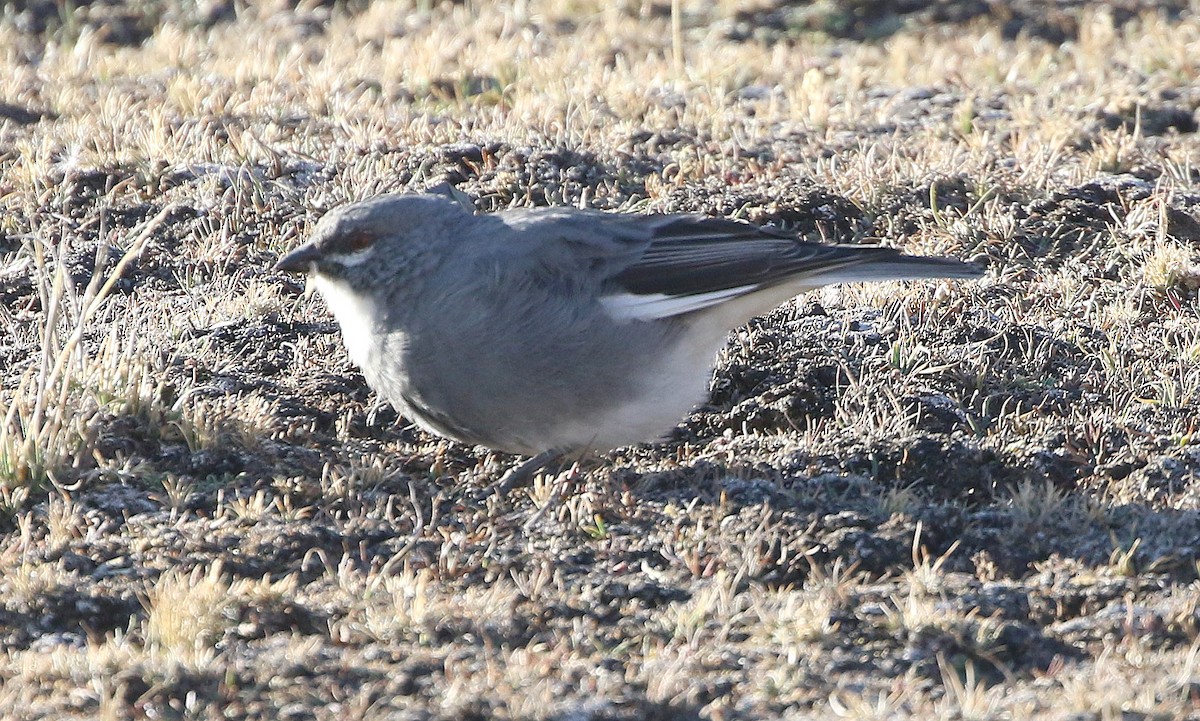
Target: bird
x=544, y=332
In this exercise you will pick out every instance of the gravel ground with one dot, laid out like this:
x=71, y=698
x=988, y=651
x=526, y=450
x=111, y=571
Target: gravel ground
x=927, y=500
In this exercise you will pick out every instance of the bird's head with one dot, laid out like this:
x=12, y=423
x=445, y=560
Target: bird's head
x=360, y=242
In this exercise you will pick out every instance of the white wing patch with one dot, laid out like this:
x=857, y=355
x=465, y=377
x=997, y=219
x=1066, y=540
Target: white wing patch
x=651, y=306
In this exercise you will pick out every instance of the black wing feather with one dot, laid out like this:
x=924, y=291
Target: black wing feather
x=689, y=255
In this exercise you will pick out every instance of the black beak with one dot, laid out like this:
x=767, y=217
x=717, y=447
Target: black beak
x=299, y=260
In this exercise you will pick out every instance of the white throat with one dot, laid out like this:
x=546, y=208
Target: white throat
x=354, y=313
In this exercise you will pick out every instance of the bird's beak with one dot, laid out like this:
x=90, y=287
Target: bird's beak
x=299, y=260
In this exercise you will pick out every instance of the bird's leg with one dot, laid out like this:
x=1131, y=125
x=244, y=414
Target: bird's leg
x=522, y=473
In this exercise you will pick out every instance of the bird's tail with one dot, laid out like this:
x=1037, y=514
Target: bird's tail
x=888, y=264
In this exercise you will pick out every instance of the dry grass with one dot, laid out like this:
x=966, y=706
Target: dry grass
x=905, y=500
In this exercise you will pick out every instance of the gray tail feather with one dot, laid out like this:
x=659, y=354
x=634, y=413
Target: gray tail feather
x=900, y=267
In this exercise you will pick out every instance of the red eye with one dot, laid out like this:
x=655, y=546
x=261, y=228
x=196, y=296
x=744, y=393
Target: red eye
x=357, y=240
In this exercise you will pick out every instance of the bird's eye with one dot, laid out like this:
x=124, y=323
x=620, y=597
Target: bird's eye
x=357, y=240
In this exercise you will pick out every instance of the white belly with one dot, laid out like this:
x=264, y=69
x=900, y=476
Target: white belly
x=676, y=385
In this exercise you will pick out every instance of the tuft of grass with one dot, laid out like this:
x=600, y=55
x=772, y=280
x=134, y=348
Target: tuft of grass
x=791, y=620
x=45, y=426
x=185, y=616
x=1171, y=267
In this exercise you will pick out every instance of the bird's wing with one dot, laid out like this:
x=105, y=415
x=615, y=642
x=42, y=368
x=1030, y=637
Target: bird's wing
x=657, y=266
x=692, y=262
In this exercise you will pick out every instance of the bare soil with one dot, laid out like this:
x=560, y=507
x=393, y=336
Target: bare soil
x=929, y=500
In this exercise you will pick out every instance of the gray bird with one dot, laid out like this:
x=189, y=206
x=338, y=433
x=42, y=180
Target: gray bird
x=549, y=331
